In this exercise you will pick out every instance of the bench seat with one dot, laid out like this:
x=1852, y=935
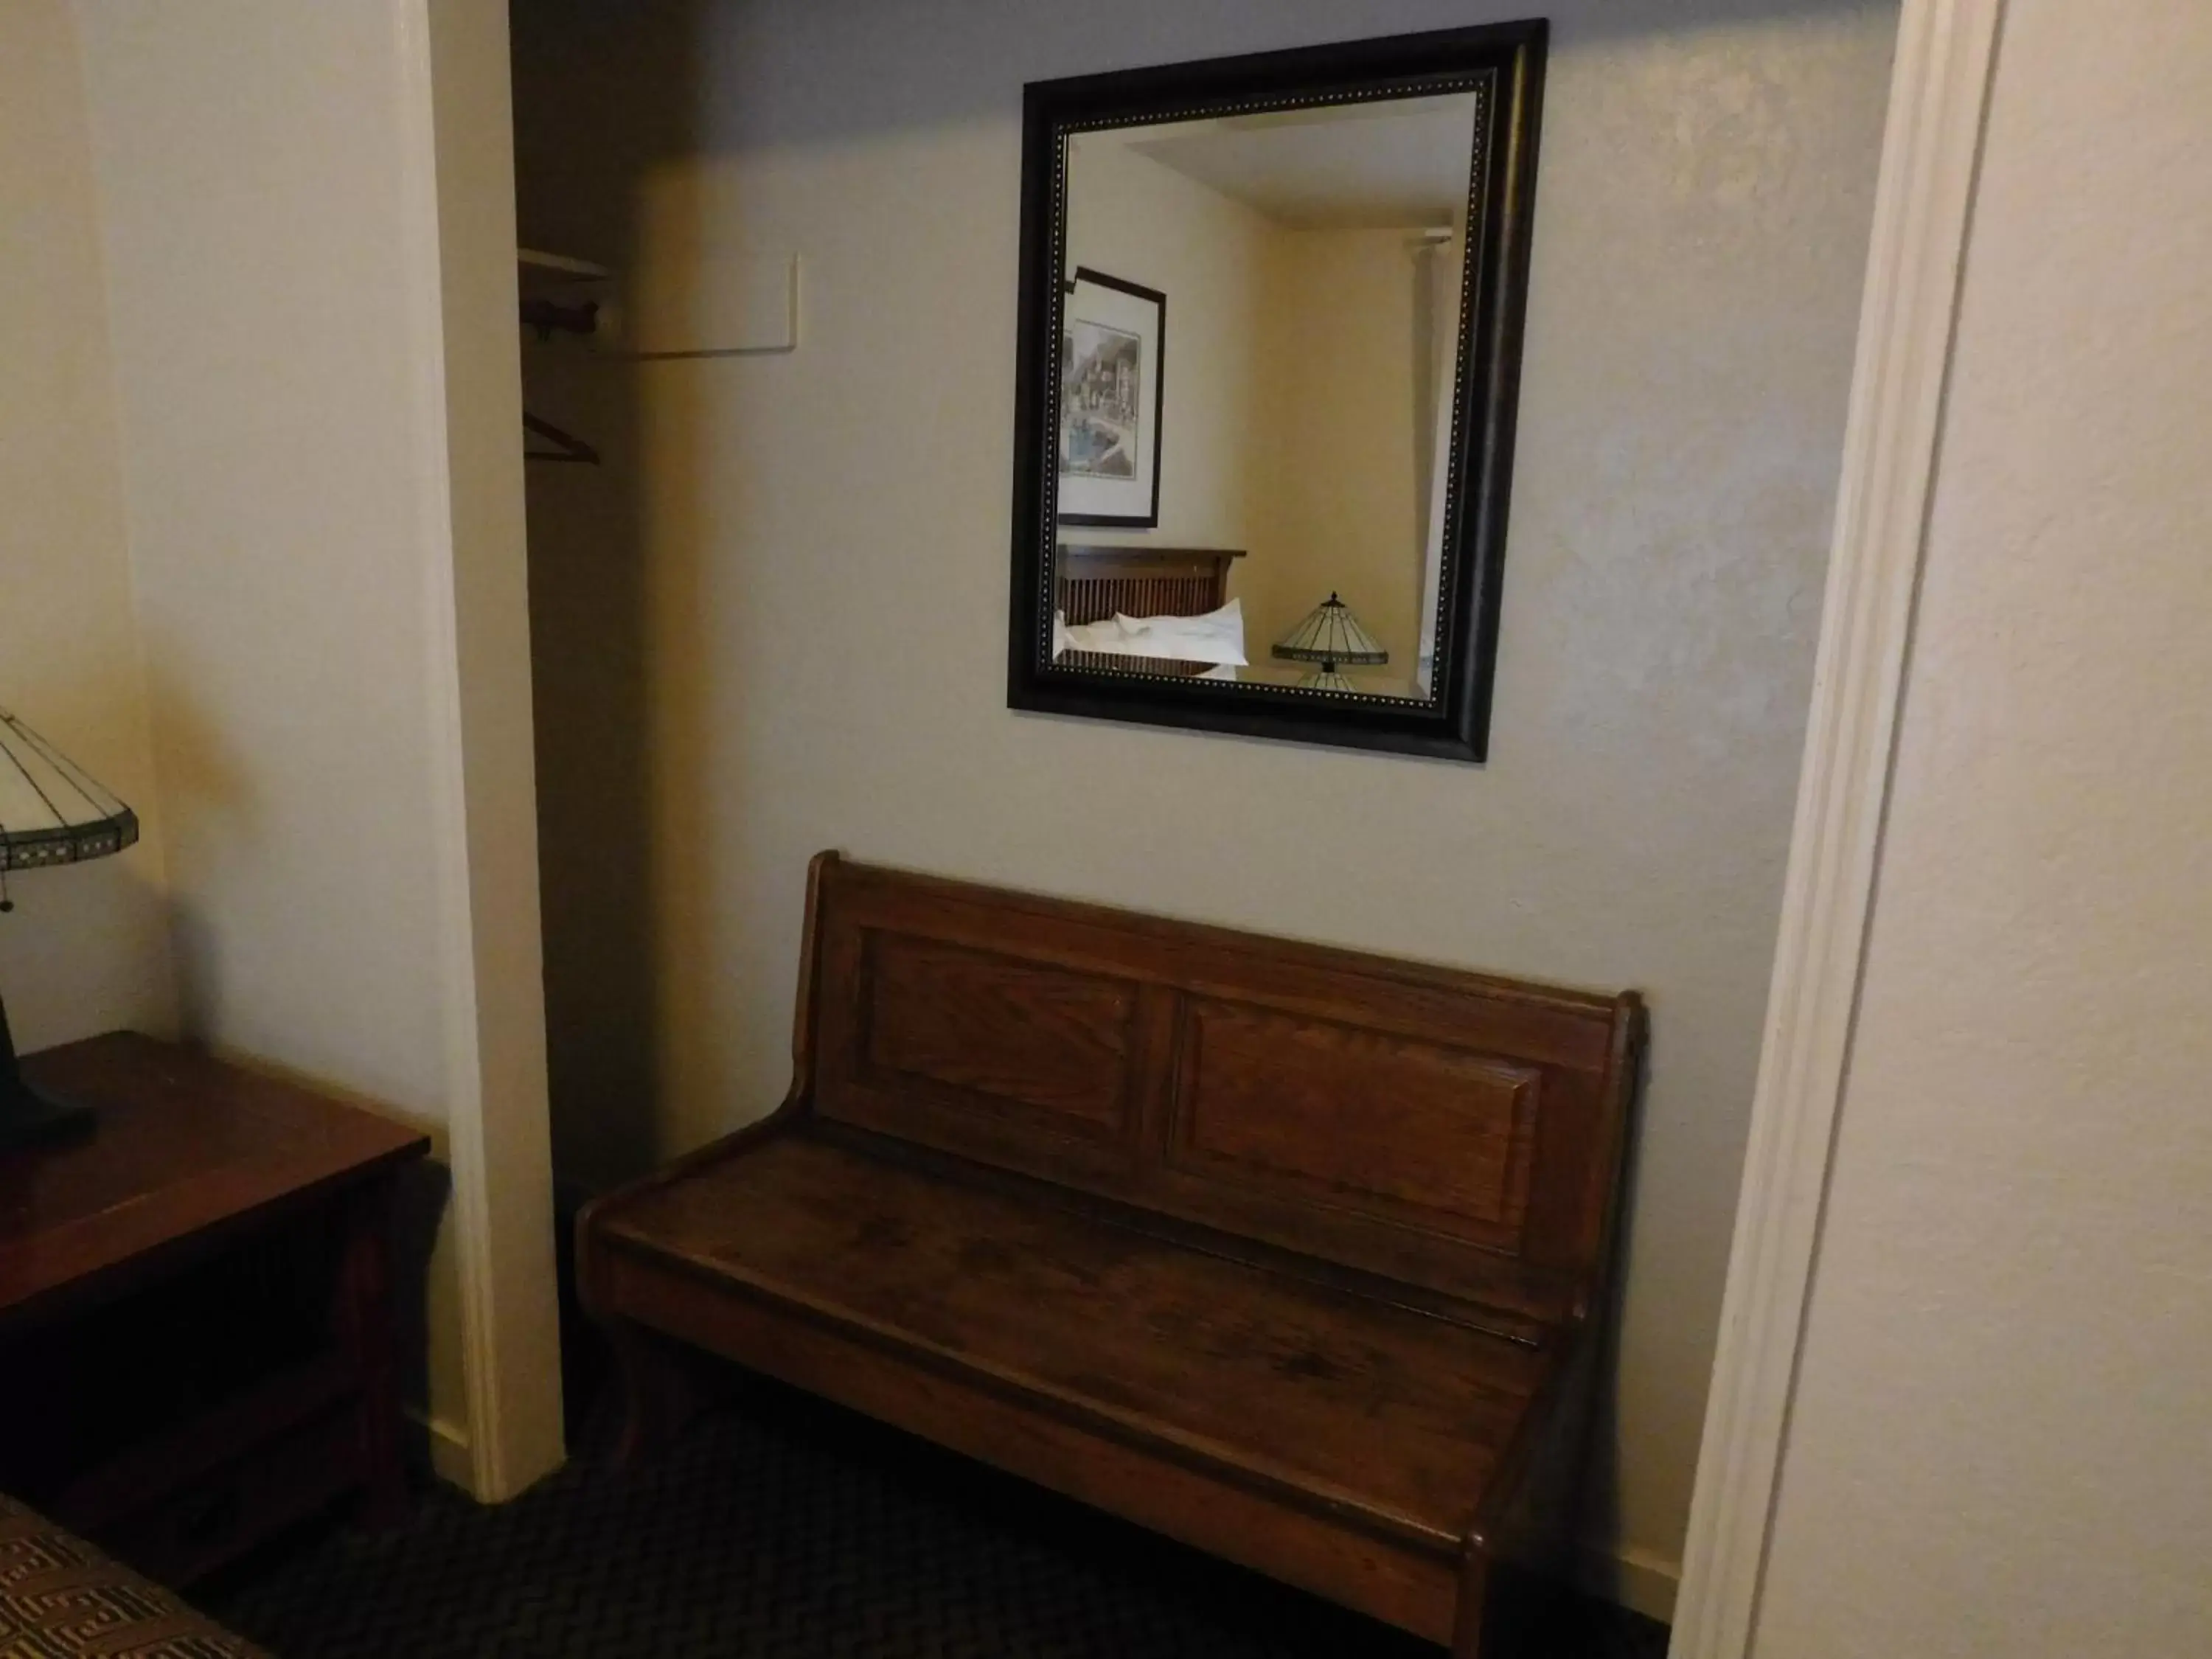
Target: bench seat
x=1016, y=1204
x=1316, y=1394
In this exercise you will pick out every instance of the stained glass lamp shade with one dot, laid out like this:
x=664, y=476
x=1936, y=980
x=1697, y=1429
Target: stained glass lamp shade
x=1330, y=636
x=52, y=812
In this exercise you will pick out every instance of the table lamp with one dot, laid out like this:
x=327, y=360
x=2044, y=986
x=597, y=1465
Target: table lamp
x=1330, y=635
x=51, y=812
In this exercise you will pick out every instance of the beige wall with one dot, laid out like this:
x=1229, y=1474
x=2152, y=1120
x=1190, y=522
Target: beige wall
x=1131, y=217
x=2002, y=1431
x=270, y=185
x=795, y=570
x=255, y=254
x=1342, y=512
x=86, y=949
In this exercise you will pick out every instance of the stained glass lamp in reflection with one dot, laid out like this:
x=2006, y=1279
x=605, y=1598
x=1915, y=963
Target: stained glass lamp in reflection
x=1330, y=637
x=51, y=812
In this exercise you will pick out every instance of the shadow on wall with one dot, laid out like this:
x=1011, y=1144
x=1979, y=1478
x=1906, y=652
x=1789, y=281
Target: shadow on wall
x=601, y=95
x=209, y=812
x=628, y=849
x=85, y=949
x=1601, y=1570
x=209, y=817
x=588, y=624
x=156, y=969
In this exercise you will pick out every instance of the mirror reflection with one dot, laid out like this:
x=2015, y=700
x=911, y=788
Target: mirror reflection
x=1260, y=332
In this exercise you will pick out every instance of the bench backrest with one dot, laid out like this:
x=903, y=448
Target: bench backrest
x=1414, y=1121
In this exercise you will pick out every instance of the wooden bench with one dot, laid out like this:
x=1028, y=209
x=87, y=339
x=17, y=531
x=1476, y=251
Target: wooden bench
x=1289, y=1253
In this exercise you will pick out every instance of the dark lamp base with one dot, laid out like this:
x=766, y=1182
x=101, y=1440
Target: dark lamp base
x=29, y=1118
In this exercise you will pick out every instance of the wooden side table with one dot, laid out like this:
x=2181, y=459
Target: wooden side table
x=196, y=1325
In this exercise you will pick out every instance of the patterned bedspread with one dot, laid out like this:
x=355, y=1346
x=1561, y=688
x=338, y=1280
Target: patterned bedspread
x=62, y=1599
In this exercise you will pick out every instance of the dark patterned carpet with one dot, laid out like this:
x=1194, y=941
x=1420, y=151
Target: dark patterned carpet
x=783, y=1528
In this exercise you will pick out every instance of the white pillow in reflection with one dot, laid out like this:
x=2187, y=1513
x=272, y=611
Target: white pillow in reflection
x=1218, y=636
x=1089, y=636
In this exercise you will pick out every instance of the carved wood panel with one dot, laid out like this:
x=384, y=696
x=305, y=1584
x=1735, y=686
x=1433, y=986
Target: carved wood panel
x=1009, y=1033
x=1423, y=1133
x=1440, y=1127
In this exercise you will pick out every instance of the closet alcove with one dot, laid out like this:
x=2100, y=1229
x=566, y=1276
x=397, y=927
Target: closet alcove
x=773, y=617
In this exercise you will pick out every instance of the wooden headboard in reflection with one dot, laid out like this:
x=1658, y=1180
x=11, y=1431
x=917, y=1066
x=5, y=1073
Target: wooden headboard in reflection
x=1093, y=583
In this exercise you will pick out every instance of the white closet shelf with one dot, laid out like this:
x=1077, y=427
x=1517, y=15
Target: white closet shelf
x=554, y=270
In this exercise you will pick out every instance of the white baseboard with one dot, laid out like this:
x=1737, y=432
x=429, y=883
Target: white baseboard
x=448, y=1446
x=1643, y=1581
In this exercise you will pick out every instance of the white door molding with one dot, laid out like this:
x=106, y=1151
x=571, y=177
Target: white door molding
x=480, y=1438
x=468, y=397
x=1939, y=93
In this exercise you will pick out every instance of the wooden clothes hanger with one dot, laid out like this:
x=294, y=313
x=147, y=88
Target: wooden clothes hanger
x=547, y=317
x=566, y=446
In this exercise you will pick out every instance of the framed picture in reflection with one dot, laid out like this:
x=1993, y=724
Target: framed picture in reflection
x=1112, y=333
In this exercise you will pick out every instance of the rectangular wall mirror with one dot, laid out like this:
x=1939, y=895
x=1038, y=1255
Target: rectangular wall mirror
x=1271, y=313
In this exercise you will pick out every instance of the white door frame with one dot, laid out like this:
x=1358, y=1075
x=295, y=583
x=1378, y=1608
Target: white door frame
x=1931, y=147
x=460, y=267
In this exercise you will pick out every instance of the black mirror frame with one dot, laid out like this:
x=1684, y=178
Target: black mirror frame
x=1455, y=724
